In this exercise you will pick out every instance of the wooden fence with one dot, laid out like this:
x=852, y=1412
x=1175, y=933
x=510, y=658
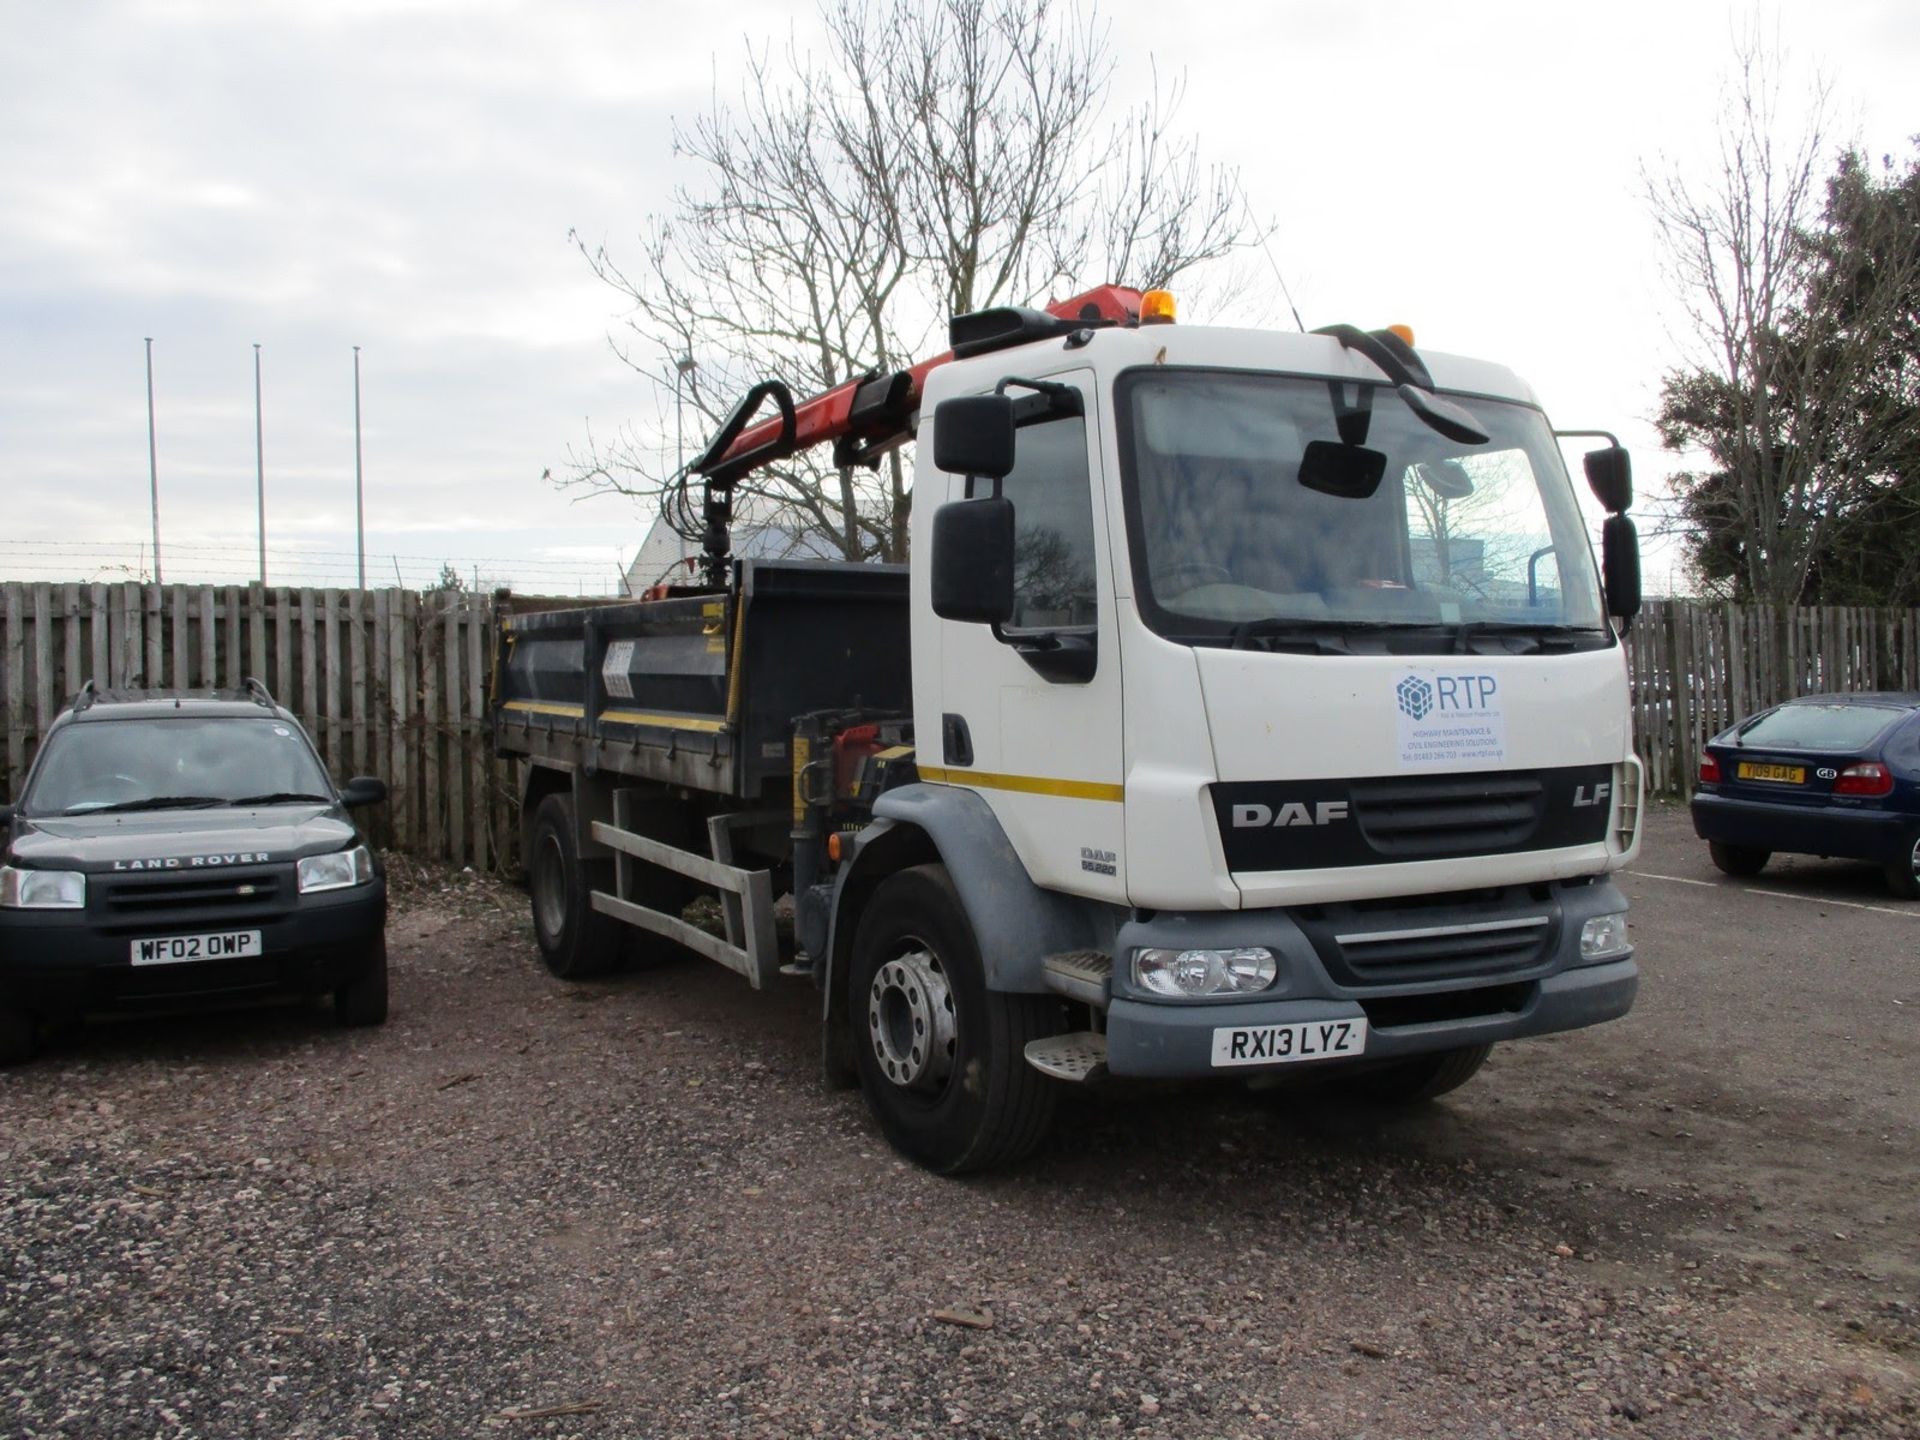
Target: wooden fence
x=394, y=683
x=1697, y=668
x=388, y=682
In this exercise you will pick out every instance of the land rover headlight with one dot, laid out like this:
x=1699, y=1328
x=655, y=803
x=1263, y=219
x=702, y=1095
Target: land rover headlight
x=336, y=871
x=42, y=889
x=1604, y=936
x=1195, y=974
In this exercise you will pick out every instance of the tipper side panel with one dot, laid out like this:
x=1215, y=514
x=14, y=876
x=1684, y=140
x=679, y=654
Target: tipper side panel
x=701, y=690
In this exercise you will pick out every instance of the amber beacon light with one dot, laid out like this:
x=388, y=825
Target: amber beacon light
x=1156, y=307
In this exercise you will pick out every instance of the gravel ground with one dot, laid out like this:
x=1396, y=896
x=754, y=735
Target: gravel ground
x=627, y=1209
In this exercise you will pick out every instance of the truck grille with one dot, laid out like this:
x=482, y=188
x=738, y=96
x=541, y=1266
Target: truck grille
x=1437, y=815
x=1467, y=935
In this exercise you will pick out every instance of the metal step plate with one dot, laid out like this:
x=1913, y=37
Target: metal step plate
x=1077, y=1058
x=1080, y=975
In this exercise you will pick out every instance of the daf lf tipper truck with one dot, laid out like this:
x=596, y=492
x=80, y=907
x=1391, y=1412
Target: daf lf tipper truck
x=1252, y=706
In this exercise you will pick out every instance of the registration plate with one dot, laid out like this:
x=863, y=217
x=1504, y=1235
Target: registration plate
x=1778, y=774
x=1277, y=1044
x=176, y=949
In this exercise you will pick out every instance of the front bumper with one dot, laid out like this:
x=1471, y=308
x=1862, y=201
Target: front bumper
x=1880, y=835
x=1499, y=965
x=58, y=963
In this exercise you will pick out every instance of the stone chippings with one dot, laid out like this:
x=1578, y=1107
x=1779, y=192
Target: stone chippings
x=631, y=1207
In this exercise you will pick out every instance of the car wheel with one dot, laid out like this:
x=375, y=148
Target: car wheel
x=1737, y=859
x=1425, y=1077
x=942, y=1059
x=1903, y=876
x=575, y=940
x=16, y=1035
x=363, y=999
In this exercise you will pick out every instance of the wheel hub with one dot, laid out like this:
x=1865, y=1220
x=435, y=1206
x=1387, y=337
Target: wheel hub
x=910, y=1021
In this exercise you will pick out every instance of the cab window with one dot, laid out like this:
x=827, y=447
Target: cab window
x=1051, y=491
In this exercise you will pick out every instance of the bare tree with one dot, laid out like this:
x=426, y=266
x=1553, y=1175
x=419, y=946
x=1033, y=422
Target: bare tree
x=1784, y=342
x=943, y=156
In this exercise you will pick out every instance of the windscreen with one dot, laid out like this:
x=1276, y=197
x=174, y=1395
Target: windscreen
x=146, y=764
x=1271, y=499
x=1819, y=727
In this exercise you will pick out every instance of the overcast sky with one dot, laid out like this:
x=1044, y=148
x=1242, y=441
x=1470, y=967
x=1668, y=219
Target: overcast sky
x=402, y=175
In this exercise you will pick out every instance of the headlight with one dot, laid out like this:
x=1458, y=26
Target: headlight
x=1191, y=974
x=1604, y=936
x=42, y=889
x=336, y=871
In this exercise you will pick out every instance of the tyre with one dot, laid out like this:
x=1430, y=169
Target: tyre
x=941, y=1058
x=576, y=941
x=1425, y=1077
x=1903, y=876
x=363, y=1000
x=1737, y=859
x=16, y=1035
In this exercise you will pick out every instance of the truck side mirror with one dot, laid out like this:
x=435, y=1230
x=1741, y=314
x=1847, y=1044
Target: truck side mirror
x=363, y=790
x=1620, y=566
x=973, y=559
x=1610, y=477
x=973, y=435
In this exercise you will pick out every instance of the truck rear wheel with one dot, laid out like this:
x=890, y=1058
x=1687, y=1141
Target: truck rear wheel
x=575, y=940
x=941, y=1057
x=1425, y=1077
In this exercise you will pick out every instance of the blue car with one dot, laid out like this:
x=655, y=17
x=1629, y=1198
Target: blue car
x=1827, y=775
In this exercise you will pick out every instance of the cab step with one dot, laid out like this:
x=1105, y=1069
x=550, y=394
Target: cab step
x=1078, y=1058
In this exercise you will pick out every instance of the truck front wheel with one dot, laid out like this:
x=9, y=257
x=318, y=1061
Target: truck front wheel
x=575, y=940
x=941, y=1057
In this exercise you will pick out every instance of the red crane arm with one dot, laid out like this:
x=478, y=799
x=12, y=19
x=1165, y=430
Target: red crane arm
x=874, y=410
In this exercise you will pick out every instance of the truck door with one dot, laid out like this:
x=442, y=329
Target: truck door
x=1031, y=718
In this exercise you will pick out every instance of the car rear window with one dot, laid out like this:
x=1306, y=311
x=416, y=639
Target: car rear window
x=1820, y=727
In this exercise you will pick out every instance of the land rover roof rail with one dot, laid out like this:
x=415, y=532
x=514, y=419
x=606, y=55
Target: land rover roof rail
x=88, y=694
x=258, y=692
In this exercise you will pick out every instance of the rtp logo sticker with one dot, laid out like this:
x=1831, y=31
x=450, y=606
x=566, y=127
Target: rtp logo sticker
x=1416, y=697
x=1453, y=721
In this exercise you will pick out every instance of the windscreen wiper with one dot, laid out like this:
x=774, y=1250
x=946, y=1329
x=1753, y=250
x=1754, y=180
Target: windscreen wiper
x=1308, y=637
x=282, y=797
x=152, y=802
x=1542, y=635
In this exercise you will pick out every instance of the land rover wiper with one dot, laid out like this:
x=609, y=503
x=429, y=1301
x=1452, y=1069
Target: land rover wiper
x=152, y=802
x=282, y=797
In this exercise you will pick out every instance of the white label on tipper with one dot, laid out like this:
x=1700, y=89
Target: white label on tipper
x=1455, y=720
x=613, y=670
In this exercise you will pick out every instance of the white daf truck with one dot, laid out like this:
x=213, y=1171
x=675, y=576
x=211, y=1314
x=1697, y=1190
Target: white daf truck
x=1253, y=706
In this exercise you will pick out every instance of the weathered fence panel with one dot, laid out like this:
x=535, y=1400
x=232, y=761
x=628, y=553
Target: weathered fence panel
x=388, y=683
x=394, y=683
x=1696, y=668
